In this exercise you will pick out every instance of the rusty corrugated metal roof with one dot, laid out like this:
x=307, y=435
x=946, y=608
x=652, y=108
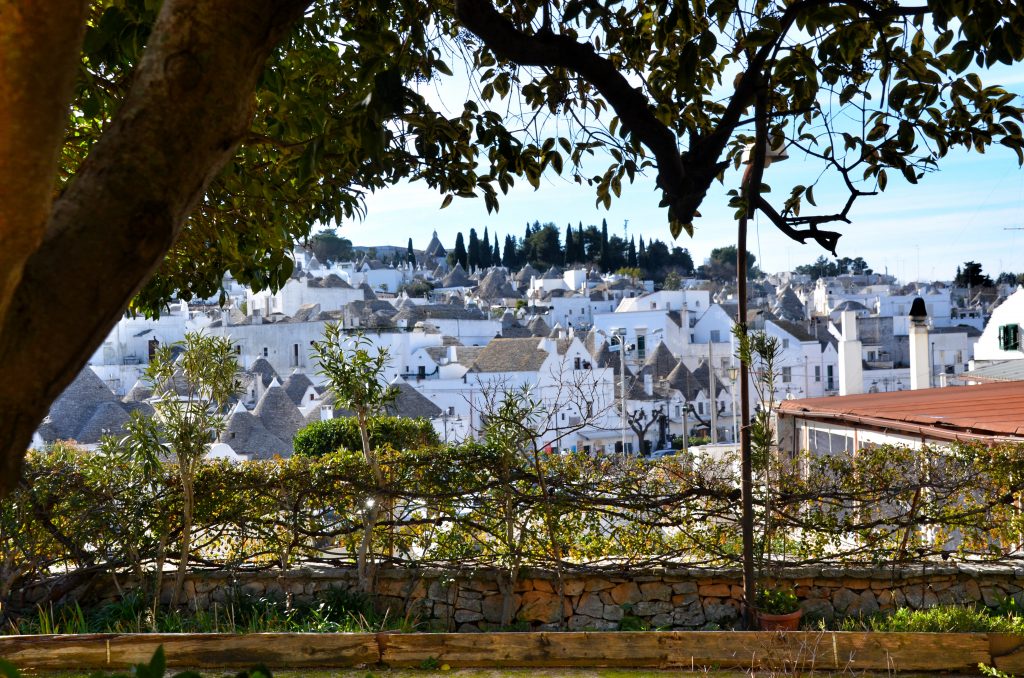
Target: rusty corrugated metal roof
x=985, y=409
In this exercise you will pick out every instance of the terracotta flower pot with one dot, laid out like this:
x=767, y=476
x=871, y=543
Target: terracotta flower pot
x=779, y=622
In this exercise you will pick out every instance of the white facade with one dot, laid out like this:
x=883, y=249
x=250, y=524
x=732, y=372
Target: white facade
x=1010, y=313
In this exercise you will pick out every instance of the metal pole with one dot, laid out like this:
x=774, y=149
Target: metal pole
x=711, y=393
x=622, y=389
x=746, y=465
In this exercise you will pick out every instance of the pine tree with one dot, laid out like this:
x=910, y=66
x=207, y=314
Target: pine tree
x=473, y=255
x=410, y=256
x=460, y=255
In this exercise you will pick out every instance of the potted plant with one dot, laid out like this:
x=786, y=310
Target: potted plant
x=778, y=610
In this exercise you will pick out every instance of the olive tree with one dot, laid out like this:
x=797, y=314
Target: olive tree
x=192, y=384
x=354, y=377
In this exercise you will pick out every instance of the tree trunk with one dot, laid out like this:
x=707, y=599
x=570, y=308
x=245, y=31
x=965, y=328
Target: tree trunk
x=372, y=512
x=35, y=38
x=188, y=108
x=188, y=503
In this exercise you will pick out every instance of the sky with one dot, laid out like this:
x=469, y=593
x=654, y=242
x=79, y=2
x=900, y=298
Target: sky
x=916, y=232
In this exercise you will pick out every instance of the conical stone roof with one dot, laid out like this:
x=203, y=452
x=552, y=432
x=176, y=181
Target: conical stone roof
x=76, y=405
x=659, y=363
x=457, y=278
x=279, y=415
x=296, y=386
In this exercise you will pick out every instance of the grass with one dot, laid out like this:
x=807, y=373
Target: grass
x=337, y=611
x=942, y=619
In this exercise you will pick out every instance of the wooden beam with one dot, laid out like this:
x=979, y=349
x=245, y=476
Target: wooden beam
x=197, y=650
x=684, y=649
x=796, y=651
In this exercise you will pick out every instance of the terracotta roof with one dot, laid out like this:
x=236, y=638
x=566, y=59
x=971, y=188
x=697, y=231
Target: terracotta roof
x=986, y=411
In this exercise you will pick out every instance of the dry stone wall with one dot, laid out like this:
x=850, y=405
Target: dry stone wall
x=679, y=599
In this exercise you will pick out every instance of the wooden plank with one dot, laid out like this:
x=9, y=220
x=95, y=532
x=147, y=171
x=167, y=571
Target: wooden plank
x=696, y=649
x=834, y=651
x=209, y=650
x=801, y=651
x=1007, y=652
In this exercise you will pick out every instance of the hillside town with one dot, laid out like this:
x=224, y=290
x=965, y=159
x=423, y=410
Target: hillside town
x=618, y=362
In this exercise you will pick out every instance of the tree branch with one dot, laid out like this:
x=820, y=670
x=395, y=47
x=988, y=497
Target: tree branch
x=189, y=106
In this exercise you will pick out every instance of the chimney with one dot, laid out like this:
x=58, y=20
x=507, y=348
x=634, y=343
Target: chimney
x=648, y=384
x=920, y=365
x=255, y=317
x=326, y=412
x=851, y=368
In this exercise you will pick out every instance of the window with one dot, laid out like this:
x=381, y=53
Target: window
x=295, y=355
x=577, y=363
x=641, y=346
x=421, y=372
x=1009, y=337
x=785, y=343
x=654, y=305
x=787, y=375
x=817, y=373
x=830, y=383
x=312, y=396
x=716, y=336
x=700, y=408
x=266, y=352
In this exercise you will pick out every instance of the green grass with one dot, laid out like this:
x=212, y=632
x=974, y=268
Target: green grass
x=337, y=611
x=942, y=619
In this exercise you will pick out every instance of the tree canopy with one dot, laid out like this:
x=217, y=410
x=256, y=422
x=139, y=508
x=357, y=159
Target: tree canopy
x=173, y=142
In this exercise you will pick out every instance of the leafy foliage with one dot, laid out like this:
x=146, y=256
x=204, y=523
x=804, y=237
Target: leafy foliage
x=777, y=601
x=941, y=619
x=323, y=437
x=488, y=505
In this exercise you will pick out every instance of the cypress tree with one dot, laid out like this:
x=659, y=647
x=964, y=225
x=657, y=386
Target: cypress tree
x=570, y=247
x=631, y=256
x=485, y=249
x=410, y=256
x=508, y=255
x=604, y=257
x=473, y=254
x=460, y=251
x=496, y=252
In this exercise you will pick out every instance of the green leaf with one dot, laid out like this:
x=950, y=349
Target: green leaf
x=8, y=670
x=447, y=201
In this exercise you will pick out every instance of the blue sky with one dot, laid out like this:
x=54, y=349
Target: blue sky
x=956, y=214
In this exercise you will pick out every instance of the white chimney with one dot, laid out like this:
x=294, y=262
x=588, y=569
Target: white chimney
x=920, y=365
x=851, y=368
x=648, y=384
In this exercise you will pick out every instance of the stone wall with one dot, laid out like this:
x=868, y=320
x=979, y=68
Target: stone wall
x=672, y=598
